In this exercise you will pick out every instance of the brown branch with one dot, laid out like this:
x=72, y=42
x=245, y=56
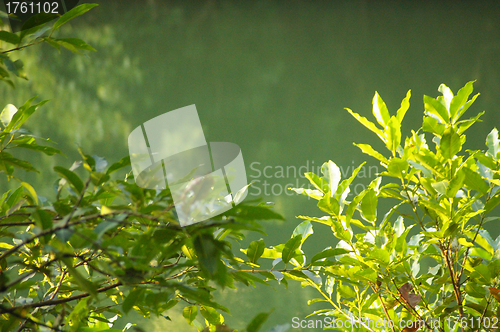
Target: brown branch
x=456, y=289
x=63, y=274
x=62, y=300
x=21, y=47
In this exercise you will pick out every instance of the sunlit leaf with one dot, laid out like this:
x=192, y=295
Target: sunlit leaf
x=450, y=143
x=380, y=110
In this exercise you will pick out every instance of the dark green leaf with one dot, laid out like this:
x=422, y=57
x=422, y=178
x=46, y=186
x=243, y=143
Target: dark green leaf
x=257, y=322
x=35, y=23
x=132, y=298
x=255, y=250
x=329, y=253
x=7, y=160
x=48, y=150
x=71, y=177
x=72, y=44
x=124, y=162
x=9, y=37
x=290, y=247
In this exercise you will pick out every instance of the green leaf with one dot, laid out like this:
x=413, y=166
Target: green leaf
x=456, y=184
x=369, y=206
x=450, y=143
x=9, y=37
x=257, y=322
x=79, y=313
x=329, y=253
x=474, y=181
x=466, y=106
x=313, y=193
x=84, y=283
x=290, y=247
x=460, y=99
x=75, y=12
x=7, y=114
x=381, y=255
x=332, y=174
x=7, y=160
x=465, y=124
x=367, y=149
x=432, y=106
x=481, y=275
x=393, y=134
x=493, y=143
x=211, y=315
x=36, y=23
x=132, y=299
x=405, y=105
x=305, y=229
x=255, y=250
x=447, y=95
x=441, y=186
x=48, y=150
x=190, y=313
x=380, y=110
x=72, y=44
x=431, y=125
x=31, y=190
x=491, y=203
x=124, y=162
x=343, y=188
x=18, y=115
x=329, y=205
x=397, y=168
x=208, y=253
x=23, y=114
x=71, y=177
x=316, y=181
x=368, y=124
x=16, y=67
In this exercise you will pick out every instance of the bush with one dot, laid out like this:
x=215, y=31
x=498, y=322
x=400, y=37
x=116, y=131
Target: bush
x=428, y=263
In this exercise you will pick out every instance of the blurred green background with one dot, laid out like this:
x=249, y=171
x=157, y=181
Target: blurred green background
x=271, y=76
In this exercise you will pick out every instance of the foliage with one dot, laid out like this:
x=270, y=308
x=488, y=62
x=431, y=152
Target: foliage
x=39, y=28
x=428, y=263
x=104, y=246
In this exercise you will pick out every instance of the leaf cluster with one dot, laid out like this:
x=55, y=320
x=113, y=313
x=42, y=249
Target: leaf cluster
x=429, y=258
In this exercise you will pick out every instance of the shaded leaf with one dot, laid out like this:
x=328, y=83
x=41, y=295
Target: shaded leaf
x=290, y=247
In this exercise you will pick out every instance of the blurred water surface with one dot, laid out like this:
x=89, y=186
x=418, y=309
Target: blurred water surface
x=271, y=76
